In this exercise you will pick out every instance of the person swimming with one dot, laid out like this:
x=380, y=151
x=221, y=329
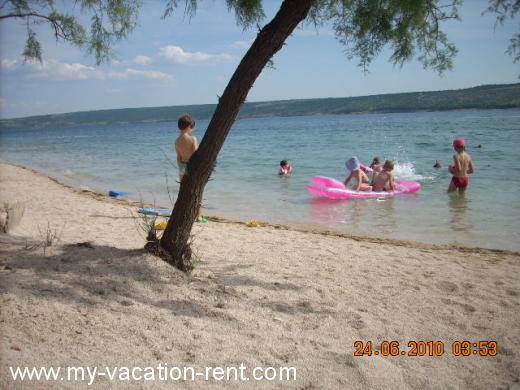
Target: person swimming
x=285, y=168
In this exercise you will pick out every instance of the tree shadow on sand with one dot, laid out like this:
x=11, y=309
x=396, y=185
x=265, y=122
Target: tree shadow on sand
x=86, y=275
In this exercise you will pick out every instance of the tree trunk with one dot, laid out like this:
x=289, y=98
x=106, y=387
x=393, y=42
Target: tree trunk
x=268, y=41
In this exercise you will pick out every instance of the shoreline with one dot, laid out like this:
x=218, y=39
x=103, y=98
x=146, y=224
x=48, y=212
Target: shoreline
x=370, y=239
x=354, y=113
x=350, y=106
x=264, y=297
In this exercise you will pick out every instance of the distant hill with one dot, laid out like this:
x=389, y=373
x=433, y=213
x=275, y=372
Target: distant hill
x=482, y=97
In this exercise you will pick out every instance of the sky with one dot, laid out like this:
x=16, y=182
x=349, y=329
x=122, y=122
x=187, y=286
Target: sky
x=181, y=61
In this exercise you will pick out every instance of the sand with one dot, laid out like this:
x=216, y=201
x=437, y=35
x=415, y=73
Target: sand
x=266, y=297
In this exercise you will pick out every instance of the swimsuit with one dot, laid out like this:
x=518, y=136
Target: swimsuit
x=183, y=167
x=460, y=182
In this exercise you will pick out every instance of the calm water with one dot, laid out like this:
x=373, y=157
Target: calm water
x=140, y=158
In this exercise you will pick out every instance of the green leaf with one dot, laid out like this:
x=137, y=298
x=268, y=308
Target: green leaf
x=32, y=49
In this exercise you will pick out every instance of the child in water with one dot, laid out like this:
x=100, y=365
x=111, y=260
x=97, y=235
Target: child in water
x=285, y=168
x=376, y=165
x=354, y=166
x=384, y=181
x=462, y=167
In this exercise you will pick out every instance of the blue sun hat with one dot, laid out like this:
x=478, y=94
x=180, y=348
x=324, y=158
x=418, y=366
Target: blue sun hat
x=353, y=164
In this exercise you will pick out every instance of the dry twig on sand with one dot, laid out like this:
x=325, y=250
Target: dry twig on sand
x=49, y=237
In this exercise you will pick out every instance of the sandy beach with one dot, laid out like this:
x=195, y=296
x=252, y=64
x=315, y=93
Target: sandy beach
x=264, y=297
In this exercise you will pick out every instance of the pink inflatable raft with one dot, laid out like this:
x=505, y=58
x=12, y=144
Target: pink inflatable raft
x=328, y=187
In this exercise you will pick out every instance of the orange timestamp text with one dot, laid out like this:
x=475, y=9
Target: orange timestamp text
x=425, y=348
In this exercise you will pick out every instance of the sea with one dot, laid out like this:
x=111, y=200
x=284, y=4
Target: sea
x=140, y=158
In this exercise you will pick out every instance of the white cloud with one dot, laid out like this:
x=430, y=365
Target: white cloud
x=53, y=69
x=178, y=55
x=156, y=75
x=8, y=64
x=142, y=60
x=3, y=102
x=62, y=71
x=139, y=60
x=118, y=63
x=241, y=44
x=76, y=71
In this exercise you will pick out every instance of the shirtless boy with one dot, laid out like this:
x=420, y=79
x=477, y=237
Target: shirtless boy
x=461, y=168
x=185, y=146
x=354, y=166
x=384, y=181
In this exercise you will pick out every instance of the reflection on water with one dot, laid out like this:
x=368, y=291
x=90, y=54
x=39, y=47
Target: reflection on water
x=361, y=216
x=386, y=217
x=356, y=215
x=459, y=207
x=326, y=211
x=285, y=183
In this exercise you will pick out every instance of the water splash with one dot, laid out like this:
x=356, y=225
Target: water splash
x=407, y=170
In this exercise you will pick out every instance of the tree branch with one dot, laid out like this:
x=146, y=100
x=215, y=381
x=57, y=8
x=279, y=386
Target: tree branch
x=23, y=15
x=59, y=32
